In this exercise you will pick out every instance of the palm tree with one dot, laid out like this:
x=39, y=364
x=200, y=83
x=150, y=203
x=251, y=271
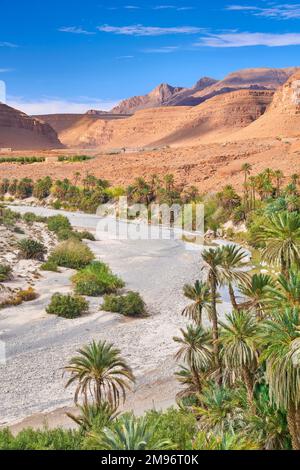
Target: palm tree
x=200, y=294
x=224, y=441
x=281, y=235
x=94, y=416
x=246, y=169
x=213, y=265
x=100, y=372
x=233, y=263
x=256, y=290
x=238, y=338
x=195, y=350
x=286, y=293
x=295, y=179
x=279, y=176
x=130, y=433
x=219, y=411
x=280, y=337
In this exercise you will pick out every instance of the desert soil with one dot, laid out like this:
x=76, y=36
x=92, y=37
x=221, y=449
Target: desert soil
x=38, y=345
x=207, y=167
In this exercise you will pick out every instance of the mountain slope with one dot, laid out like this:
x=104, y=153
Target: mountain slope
x=22, y=132
x=282, y=119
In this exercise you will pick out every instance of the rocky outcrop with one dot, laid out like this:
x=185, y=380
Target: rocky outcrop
x=282, y=119
x=22, y=132
x=157, y=97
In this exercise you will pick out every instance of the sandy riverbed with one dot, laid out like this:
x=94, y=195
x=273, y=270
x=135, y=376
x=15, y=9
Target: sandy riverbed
x=39, y=345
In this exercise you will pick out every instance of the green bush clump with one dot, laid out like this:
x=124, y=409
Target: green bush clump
x=31, y=249
x=56, y=223
x=96, y=279
x=30, y=217
x=131, y=304
x=72, y=254
x=50, y=266
x=85, y=235
x=46, y=439
x=5, y=272
x=67, y=306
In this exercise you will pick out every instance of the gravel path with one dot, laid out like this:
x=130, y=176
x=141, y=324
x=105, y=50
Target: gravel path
x=39, y=345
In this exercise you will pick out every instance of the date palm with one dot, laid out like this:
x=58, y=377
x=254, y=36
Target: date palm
x=239, y=348
x=256, y=291
x=101, y=372
x=213, y=259
x=280, y=337
x=130, y=433
x=195, y=350
x=281, y=236
x=233, y=262
x=224, y=441
x=200, y=294
x=286, y=293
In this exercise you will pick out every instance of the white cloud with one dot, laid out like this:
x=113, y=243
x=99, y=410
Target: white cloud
x=7, y=44
x=6, y=70
x=75, y=30
x=58, y=106
x=249, y=39
x=140, y=30
x=161, y=50
x=285, y=11
x=172, y=7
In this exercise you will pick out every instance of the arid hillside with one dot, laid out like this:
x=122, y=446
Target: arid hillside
x=177, y=125
x=282, y=119
x=19, y=131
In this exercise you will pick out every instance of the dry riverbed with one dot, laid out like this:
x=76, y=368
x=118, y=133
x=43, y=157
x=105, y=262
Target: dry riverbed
x=39, y=345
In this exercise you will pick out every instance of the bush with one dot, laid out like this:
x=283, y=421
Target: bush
x=30, y=217
x=28, y=439
x=57, y=223
x=31, y=249
x=65, y=234
x=130, y=304
x=96, y=279
x=71, y=254
x=27, y=295
x=50, y=266
x=5, y=272
x=67, y=306
x=87, y=236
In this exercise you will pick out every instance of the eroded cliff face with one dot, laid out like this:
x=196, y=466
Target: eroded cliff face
x=21, y=132
x=282, y=119
x=210, y=120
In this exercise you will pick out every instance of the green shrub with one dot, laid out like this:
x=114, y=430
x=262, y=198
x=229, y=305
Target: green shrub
x=31, y=249
x=57, y=223
x=96, y=279
x=66, y=233
x=85, y=235
x=30, y=217
x=50, y=266
x=28, y=439
x=56, y=205
x=67, y=306
x=72, y=254
x=5, y=272
x=130, y=304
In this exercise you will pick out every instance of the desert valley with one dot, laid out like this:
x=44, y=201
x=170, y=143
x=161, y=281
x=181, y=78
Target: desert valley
x=183, y=331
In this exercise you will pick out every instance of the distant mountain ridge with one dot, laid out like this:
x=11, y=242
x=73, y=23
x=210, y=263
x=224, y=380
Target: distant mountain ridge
x=206, y=88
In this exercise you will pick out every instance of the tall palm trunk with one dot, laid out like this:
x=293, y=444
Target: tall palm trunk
x=284, y=266
x=249, y=386
x=215, y=327
x=292, y=425
x=232, y=297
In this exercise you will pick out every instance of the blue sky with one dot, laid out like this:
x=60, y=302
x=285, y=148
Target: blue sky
x=70, y=56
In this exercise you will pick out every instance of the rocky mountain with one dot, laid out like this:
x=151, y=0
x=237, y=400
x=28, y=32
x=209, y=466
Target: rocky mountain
x=206, y=88
x=282, y=119
x=21, y=132
x=157, y=97
x=177, y=125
